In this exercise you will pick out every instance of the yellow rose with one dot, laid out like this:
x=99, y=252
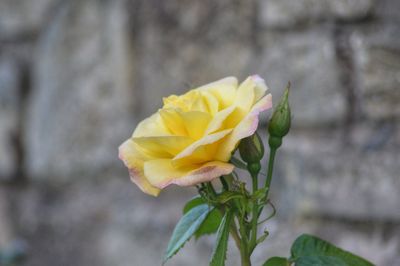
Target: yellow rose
x=191, y=138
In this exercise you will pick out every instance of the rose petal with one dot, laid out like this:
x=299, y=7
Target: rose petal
x=211, y=101
x=163, y=146
x=197, y=152
x=224, y=90
x=218, y=120
x=134, y=160
x=245, y=128
x=207, y=172
x=151, y=126
x=161, y=173
x=260, y=89
x=173, y=121
x=245, y=95
x=195, y=123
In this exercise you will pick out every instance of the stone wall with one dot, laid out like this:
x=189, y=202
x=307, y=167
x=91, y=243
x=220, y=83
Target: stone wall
x=76, y=76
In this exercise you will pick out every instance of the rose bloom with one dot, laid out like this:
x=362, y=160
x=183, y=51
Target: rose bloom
x=191, y=138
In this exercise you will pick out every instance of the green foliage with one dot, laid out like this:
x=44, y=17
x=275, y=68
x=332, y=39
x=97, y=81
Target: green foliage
x=277, y=261
x=194, y=202
x=238, y=163
x=320, y=260
x=251, y=149
x=186, y=227
x=259, y=193
x=226, y=196
x=219, y=253
x=279, y=124
x=211, y=223
x=309, y=250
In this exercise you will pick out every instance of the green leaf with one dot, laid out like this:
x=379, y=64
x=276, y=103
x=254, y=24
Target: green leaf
x=211, y=223
x=238, y=163
x=226, y=196
x=219, y=253
x=185, y=228
x=277, y=261
x=320, y=260
x=309, y=250
x=193, y=202
x=260, y=193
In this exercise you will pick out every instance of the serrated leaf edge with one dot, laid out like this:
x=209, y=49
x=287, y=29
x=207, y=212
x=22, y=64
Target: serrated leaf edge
x=198, y=222
x=222, y=239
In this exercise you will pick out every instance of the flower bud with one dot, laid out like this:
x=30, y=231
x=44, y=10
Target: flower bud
x=251, y=149
x=279, y=124
x=254, y=168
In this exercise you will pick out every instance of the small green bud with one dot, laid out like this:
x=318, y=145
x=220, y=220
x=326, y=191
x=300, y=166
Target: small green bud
x=279, y=124
x=251, y=149
x=254, y=168
x=274, y=142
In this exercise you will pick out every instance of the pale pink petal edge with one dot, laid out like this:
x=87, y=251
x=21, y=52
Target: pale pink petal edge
x=136, y=173
x=205, y=173
x=245, y=128
x=264, y=104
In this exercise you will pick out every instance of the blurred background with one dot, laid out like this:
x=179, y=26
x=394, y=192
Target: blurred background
x=76, y=77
